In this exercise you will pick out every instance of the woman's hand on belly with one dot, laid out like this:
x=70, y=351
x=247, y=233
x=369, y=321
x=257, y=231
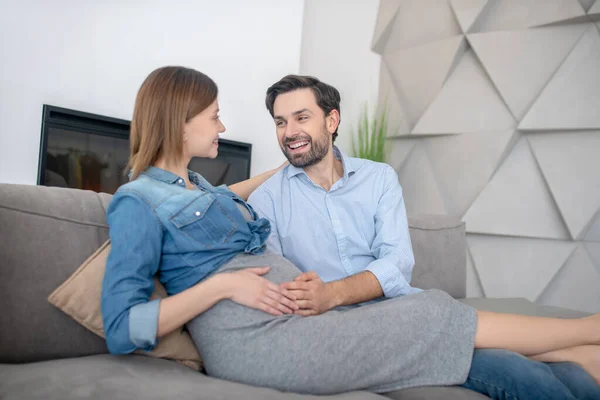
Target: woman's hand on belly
x=249, y=288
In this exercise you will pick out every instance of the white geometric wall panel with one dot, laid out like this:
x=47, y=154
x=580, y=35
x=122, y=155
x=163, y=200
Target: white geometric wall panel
x=587, y=4
x=398, y=154
x=418, y=22
x=502, y=15
x=515, y=267
x=500, y=210
x=595, y=10
x=466, y=11
x=420, y=72
x=460, y=108
x=568, y=291
x=397, y=120
x=474, y=288
x=385, y=18
x=494, y=109
x=593, y=233
x=570, y=162
x=419, y=184
x=571, y=99
x=593, y=249
x=540, y=52
x=464, y=164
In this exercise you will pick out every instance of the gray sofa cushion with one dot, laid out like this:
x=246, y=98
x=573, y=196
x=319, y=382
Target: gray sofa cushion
x=439, y=245
x=138, y=377
x=436, y=393
x=131, y=377
x=46, y=234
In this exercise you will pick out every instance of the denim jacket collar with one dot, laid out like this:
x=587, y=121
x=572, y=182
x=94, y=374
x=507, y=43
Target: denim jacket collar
x=161, y=175
x=171, y=178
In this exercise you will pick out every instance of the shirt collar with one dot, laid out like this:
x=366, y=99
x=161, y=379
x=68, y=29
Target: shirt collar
x=349, y=168
x=161, y=175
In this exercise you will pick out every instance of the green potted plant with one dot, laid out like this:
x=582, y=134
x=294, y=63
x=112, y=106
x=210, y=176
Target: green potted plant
x=369, y=142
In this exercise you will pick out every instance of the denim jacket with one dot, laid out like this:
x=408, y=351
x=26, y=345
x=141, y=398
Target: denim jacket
x=160, y=228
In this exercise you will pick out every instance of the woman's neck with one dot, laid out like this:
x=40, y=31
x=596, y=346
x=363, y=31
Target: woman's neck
x=179, y=169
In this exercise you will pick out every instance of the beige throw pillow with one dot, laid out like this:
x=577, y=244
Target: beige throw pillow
x=79, y=297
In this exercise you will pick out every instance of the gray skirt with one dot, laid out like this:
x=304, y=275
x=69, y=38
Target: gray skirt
x=424, y=339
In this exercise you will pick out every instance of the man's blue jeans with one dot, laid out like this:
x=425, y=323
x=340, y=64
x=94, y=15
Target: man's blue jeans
x=504, y=375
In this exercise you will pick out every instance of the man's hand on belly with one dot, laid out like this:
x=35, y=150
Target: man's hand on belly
x=313, y=296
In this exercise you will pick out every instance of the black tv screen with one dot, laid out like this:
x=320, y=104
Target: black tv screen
x=88, y=151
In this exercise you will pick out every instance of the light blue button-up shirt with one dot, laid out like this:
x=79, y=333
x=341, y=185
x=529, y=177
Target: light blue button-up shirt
x=358, y=225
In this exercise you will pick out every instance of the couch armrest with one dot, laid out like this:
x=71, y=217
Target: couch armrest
x=439, y=245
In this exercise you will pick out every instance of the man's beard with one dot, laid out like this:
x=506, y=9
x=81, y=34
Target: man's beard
x=318, y=150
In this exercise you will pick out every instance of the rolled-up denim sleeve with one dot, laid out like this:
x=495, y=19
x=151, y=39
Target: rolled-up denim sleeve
x=392, y=247
x=130, y=319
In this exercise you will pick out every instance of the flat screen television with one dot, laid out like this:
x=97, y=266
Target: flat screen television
x=88, y=151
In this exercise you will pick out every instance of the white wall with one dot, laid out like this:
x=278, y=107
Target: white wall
x=336, y=48
x=93, y=56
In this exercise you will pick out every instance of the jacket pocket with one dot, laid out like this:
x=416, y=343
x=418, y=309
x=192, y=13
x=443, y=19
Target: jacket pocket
x=204, y=220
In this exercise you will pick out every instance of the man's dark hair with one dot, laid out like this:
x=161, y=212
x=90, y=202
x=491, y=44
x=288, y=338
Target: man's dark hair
x=328, y=97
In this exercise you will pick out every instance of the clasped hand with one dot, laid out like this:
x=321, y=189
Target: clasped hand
x=313, y=296
x=306, y=295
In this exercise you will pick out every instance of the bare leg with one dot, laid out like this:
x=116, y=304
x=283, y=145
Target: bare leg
x=534, y=335
x=588, y=357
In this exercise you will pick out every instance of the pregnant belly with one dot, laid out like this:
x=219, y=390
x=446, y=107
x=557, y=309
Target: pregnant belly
x=281, y=270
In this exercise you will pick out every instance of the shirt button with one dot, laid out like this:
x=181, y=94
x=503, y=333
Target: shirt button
x=268, y=230
x=197, y=213
x=180, y=181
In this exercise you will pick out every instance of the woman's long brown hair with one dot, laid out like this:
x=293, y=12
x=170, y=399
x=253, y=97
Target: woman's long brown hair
x=168, y=98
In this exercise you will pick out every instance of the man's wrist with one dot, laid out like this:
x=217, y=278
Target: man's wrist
x=335, y=294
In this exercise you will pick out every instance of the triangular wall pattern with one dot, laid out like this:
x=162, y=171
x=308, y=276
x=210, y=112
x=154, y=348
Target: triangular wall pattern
x=571, y=100
x=493, y=106
x=464, y=164
x=419, y=72
x=570, y=162
x=500, y=210
x=467, y=103
x=419, y=185
x=499, y=260
x=575, y=285
x=467, y=11
x=520, y=63
x=507, y=15
x=420, y=22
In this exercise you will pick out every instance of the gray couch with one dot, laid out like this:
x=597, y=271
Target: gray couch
x=46, y=233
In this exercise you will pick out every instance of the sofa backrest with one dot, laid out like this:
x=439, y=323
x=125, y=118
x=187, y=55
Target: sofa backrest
x=47, y=233
x=439, y=244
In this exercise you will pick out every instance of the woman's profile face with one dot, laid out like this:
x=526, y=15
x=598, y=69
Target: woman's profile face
x=201, y=133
